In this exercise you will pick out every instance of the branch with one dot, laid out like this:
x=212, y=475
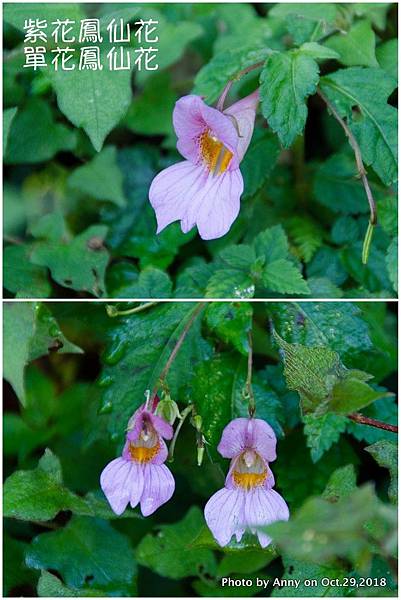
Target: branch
x=176, y=348
x=112, y=311
x=362, y=174
x=359, y=418
x=248, y=383
x=236, y=77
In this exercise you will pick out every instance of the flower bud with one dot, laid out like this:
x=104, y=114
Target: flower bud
x=167, y=409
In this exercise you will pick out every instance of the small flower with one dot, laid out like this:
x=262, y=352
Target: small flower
x=205, y=189
x=247, y=502
x=139, y=475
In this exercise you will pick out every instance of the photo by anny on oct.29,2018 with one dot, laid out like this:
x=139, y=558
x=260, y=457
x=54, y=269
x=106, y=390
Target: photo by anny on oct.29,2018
x=200, y=449
x=200, y=150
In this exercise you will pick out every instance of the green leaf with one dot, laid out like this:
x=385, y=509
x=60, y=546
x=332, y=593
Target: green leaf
x=355, y=47
x=211, y=79
x=35, y=136
x=286, y=81
x=8, y=116
x=50, y=586
x=147, y=115
x=322, y=432
x=86, y=549
x=284, y=277
x=341, y=484
x=95, y=100
x=351, y=394
x=39, y=495
x=259, y=161
x=322, y=531
x=168, y=553
x=79, y=264
x=387, y=57
x=384, y=410
x=376, y=12
x=16, y=573
x=29, y=331
x=138, y=348
x=318, y=51
x=392, y=263
x=16, y=15
x=151, y=283
x=247, y=561
x=23, y=278
x=375, y=126
x=307, y=236
x=303, y=571
x=232, y=322
x=271, y=244
x=232, y=276
x=307, y=21
x=385, y=454
x=100, y=178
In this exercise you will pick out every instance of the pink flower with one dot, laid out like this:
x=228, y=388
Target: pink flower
x=247, y=502
x=139, y=475
x=205, y=189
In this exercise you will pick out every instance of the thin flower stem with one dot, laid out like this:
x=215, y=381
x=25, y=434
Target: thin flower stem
x=359, y=418
x=361, y=172
x=112, y=311
x=248, y=383
x=236, y=77
x=176, y=348
x=184, y=415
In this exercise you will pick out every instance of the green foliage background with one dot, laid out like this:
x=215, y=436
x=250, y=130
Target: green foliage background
x=74, y=375
x=81, y=149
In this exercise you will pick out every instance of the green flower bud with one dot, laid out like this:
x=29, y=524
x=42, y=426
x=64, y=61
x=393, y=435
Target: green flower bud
x=167, y=409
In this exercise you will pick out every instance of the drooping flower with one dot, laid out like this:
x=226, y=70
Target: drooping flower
x=247, y=502
x=205, y=189
x=139, y=475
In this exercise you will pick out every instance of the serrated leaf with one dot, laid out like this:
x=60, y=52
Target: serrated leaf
x=385, y=454
x=211, y=79
x=29, y=331
x=307, y=235
x=137, y=350
x=151, y=283
x=307, y=21
x=286, y=81
x=79, y=264
x=318, y=51
x=86, y=549
x=259, y=161
x=168, y=553
x=356, y=46
x=100, y=178
x=50, y=586
x=351, y=394
x=298, y=570
x=39, y=495
x=35, y=136
x=322, y=432
x=95, y=100
x=231, y=322
x=271, y=244
x=283, y=276
x=375, y=126
x=341, y=484
x=387, y=57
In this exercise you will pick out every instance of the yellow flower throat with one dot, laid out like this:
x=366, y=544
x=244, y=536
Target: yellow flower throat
x=214, y=154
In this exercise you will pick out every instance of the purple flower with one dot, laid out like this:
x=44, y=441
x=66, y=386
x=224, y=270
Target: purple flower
x=205, y=189
x=247, y=502
x=139, y=475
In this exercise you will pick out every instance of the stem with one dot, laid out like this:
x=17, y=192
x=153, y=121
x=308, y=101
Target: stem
x=248, y=383
x=184, y=415
x=112, y=311
x=176, y=348
x=236, y=77
x=359, y=418
x=361, y=172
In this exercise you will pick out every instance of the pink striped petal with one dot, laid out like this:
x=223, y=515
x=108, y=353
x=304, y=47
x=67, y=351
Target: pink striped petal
x=158, y=488
x=115, y=482
x=241, y=434
x=224, y=514
x=261, y=508
x=244, y=112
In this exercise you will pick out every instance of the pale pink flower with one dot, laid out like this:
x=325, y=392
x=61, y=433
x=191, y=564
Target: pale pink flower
x=205, y=189
x=139, y=475
x=247, y=502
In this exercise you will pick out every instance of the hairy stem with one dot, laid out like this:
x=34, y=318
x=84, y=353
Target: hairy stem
x=361, y=172
x=248, y=383
x=236, y=77
x=112, y=311
x=176, y=348
x=359, y=418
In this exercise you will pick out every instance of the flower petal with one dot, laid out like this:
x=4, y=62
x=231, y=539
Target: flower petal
x=263, y=507
x=244, y=112
x=223, y=128
x=162, y=427
x=116, y=485
x=243, y=433
x=216, y=206
x=136, y=483
x=224, y=514
x=187, y=116
x=158, y=488
x=172, y=191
